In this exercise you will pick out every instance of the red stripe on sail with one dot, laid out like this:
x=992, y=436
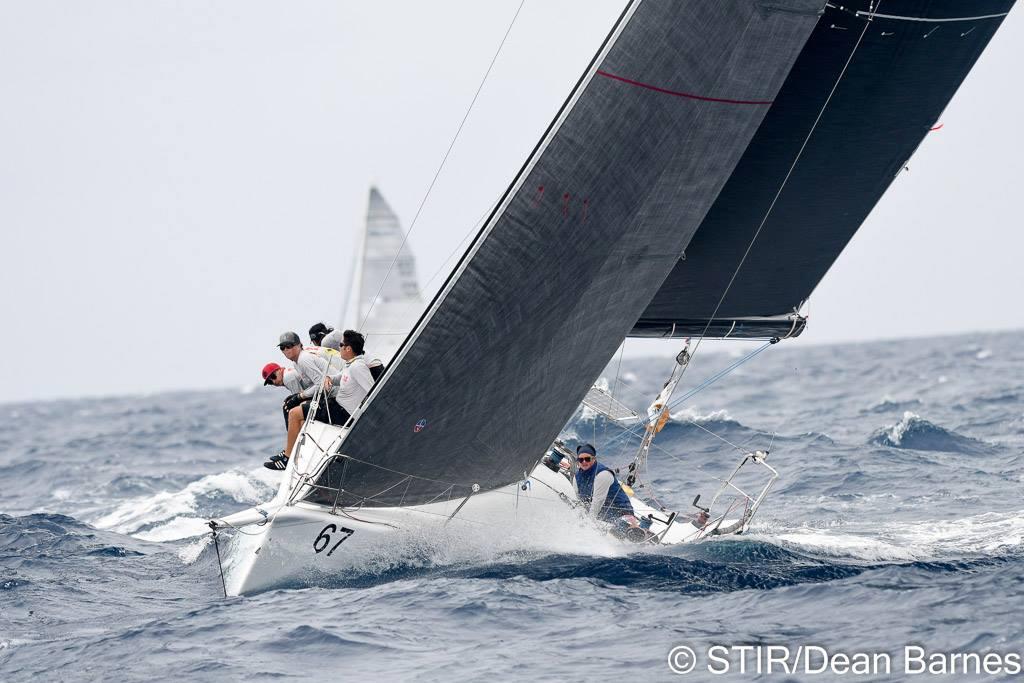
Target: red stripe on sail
x=676, y=93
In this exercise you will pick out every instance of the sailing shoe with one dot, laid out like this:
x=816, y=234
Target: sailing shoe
x=278, y=462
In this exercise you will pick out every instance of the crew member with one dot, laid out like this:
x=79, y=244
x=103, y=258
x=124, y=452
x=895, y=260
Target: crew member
x=319, y=332
x=311, y=364
x=356, y=380
x=275, y=375
x=597, y=487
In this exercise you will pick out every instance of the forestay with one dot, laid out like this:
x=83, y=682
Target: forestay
x=574, y=251
x=905, y=62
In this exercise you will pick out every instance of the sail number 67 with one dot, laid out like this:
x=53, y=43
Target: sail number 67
x=323, y=539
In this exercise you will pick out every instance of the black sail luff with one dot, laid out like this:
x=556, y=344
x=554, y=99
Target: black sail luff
x=900, y=78
x=574, y=253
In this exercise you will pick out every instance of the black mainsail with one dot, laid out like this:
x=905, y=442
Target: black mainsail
x=893, y=71
x=573, y=253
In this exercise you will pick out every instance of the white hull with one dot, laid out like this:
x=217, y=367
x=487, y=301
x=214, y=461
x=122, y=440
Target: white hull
x=297, y=544
x=304, y=544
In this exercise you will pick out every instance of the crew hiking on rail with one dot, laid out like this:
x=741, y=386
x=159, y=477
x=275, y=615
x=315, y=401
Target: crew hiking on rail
x=338, y=361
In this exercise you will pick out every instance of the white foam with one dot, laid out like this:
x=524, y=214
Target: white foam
x=62, y=494
x=170, y=515
x=983, y=354
x=848, y=544
x=987, y=533
x=191, y=552
x=484, y=545
x=176, y=529
x=691, y=414
x=896, y=432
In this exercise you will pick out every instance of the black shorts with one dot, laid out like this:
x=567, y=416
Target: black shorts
x=328, y=411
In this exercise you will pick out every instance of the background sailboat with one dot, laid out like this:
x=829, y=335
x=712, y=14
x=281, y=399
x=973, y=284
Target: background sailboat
x=384, y=299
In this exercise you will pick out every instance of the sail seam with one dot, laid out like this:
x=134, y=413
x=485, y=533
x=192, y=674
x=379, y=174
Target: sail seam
x=679, y=93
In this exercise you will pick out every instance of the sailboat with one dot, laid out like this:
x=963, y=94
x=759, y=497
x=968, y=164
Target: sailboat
x=702, y=176
x=384, y=299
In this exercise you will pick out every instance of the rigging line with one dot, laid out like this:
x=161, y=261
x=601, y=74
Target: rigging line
x=458, y=249
x=366, y=521
x=220, y=564
x=623, y=384
x=720, y=438
x=615, y=384
x=709, y=381
x=792, y=167
x=405, y=238
x=717, y=376
x=632, y=431
x=756, y=433
x=451, y=484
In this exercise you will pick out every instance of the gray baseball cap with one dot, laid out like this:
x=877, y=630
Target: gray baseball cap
x=288, y=339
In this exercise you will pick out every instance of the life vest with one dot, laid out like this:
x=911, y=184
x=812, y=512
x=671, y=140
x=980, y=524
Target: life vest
x=615, y=505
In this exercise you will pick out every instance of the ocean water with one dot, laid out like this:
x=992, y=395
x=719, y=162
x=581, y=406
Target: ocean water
x=898, y=520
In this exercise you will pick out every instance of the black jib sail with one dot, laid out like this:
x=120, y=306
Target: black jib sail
x=574, y=251
x=867, y=88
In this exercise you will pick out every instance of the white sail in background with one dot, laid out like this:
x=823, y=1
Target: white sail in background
x=383, y=307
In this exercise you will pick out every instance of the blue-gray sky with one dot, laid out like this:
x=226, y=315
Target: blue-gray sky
x=180, y=182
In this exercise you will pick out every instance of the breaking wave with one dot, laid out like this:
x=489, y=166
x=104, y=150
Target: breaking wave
x=171, y=515
x=41, y=537
x=988, y=534
x=691, y=414
x=915, y=433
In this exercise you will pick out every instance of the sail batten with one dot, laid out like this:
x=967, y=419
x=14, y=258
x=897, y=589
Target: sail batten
x=575, y=251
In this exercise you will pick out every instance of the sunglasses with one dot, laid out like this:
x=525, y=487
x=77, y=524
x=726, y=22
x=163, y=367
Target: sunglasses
x=584, y=458
x=285, y=346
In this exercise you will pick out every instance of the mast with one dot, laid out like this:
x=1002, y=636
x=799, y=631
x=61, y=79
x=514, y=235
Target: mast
x=658, y=414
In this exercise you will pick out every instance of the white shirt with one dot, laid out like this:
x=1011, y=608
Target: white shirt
x=353, y=384
x=292, y=381
x=315, y=363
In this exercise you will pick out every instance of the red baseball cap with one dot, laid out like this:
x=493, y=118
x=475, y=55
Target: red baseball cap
x=268, y=370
